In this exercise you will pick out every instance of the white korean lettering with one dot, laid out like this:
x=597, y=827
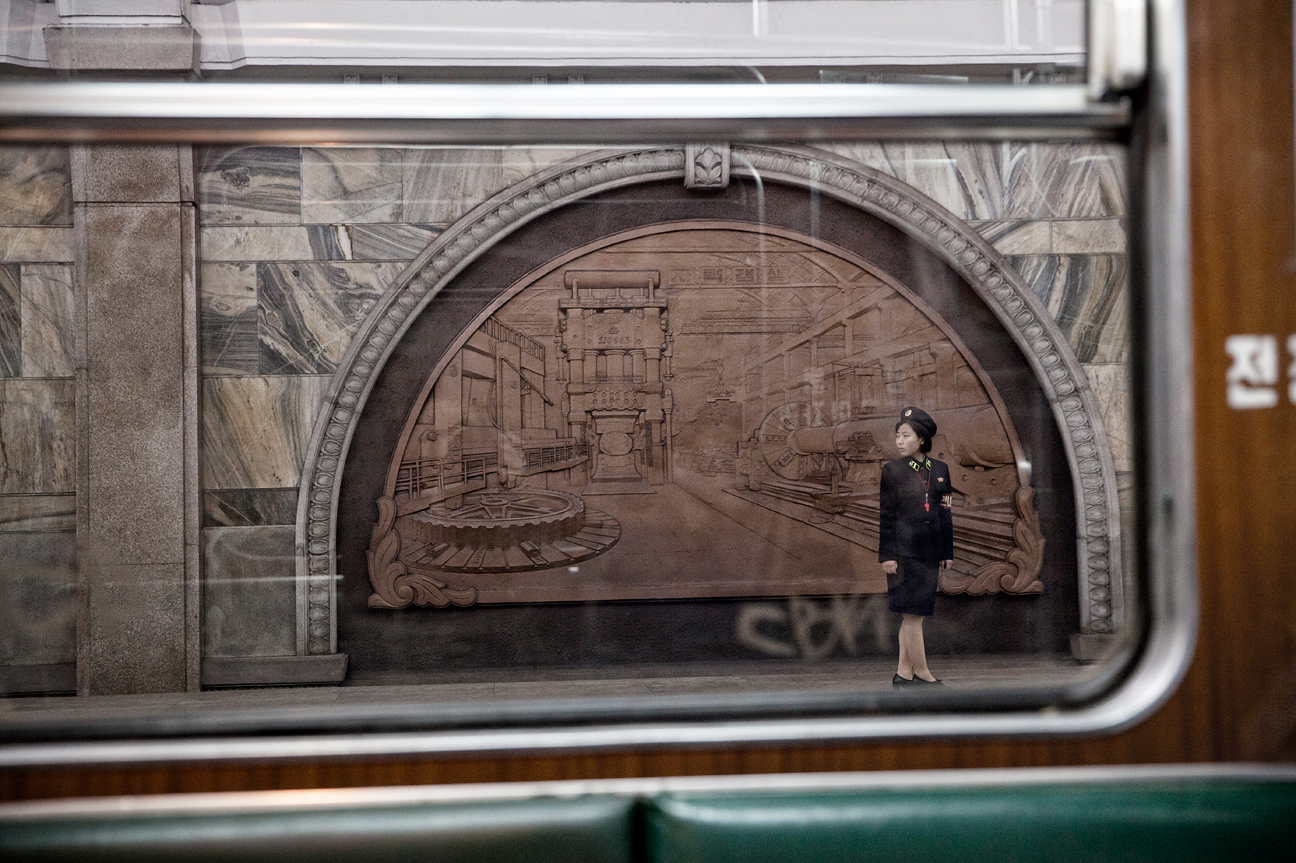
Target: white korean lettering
x=1252, y=378
x=1291, y=370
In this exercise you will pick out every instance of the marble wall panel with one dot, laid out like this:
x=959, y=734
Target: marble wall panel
x=1110, y=383
x=1087, y=296
x=518, y=163
x=1088, y=236
x=256, y=429
x=249, y=591
x=30, y=244
x=10, y=323
x=34, y=513
x=47, y=321
x=37, y=436
x=351, y=184
x=38, y=599
x=35, y=186
x=1007, y=180
x=309, y=311
x=244, y=507
x=228, y=324
x=255, y=244
x=249, y=186
x=440, y=185
x=1016, y=237
x=390, y=242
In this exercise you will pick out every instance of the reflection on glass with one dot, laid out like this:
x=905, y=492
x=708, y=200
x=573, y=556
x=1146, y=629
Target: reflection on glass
x=552, y=41
x=523, y=422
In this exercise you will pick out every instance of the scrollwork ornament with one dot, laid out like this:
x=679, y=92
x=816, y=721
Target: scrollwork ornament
x=394, y=585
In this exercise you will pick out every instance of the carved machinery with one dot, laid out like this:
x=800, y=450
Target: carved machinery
x=614, y=334
x=836, y=469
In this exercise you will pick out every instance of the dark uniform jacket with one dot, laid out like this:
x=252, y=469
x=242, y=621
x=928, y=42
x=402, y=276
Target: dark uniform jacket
x=907, y=529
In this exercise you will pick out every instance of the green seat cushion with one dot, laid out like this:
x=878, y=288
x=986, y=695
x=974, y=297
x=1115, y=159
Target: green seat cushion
x=1137, y=822
x=543, y=830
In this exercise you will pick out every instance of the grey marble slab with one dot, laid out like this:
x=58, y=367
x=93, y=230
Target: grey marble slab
x=440, y=185
x=351, y=184
x=35, y=186
x=255, y=429
x=228, y=318
x=390, y=242
x=1088, y=297
x=1017, y=237
x=33, y=244
x=48, y=307
x=38, y=604
x=1004, y=180
x=249, y=186
x=254, y=243
x=245, y=507
x=1088, y=236
x=309, y=311
x=518, y=163
x=329, y=242
x=37, y=436
x=35, y=513
x=1110, y=383
x=249, y=591
x=10, y=323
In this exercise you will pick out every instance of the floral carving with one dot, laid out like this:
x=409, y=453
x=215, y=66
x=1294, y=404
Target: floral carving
x=1020, y=573
x=394, y=585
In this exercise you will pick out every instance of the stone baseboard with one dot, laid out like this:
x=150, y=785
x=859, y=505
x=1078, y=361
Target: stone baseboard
x=1092, y=648
x=53, y=679
x=274, y=670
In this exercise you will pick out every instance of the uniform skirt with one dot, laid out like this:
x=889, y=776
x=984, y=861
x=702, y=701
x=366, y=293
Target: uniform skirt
x=912, y=587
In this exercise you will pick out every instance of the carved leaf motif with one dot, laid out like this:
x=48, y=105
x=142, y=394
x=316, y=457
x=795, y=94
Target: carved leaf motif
x=394, y=585
x=1020, y=573
x=709, y=166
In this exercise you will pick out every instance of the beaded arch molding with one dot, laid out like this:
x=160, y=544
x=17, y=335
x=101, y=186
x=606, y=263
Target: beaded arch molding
x=1017, y=308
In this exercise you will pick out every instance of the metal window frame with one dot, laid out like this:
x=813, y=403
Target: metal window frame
x=1154, y=119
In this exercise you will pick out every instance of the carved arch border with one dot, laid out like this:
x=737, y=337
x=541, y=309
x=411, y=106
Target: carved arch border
x=1020, y=312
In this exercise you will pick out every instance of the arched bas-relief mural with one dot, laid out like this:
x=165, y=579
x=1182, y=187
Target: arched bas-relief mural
x=694, y=410
x=756, y=395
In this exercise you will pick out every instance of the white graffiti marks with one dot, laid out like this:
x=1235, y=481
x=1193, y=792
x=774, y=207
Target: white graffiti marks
x=814, y=629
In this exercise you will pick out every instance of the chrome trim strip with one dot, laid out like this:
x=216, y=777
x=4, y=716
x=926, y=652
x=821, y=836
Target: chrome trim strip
x=506, y=113
x=221, y=803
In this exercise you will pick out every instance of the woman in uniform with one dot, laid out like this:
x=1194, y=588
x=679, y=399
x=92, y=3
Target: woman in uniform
x=916, y=537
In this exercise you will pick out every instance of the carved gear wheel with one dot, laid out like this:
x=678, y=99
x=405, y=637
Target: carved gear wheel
x=507, y=530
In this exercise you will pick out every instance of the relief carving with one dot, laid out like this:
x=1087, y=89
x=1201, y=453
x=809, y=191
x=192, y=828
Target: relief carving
x=394, y=585
x=591, y=385
x=1021, y=314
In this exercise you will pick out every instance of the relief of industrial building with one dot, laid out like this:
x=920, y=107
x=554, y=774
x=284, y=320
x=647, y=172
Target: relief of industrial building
x=645, y=400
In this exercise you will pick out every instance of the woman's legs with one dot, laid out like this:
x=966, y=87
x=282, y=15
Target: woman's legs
x=913, y=654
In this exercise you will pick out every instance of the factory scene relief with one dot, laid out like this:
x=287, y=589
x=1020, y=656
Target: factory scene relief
x=697, y=410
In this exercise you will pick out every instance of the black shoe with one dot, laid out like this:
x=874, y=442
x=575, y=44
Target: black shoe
x=918, y=679
x=897, y=680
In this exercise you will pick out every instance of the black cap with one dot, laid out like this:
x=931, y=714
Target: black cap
x=920, y=420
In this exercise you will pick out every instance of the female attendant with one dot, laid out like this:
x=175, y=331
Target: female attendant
x=916, y=537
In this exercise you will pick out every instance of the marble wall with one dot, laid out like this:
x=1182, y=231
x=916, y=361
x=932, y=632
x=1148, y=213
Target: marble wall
x=297, y=244
x=37, y=410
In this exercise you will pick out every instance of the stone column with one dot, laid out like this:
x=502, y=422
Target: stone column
x=137, y=510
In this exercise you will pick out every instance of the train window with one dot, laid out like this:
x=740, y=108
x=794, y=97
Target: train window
x=372, y=396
